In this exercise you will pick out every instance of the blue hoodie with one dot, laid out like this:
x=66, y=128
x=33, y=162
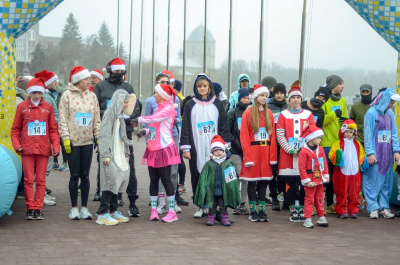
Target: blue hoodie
x=234, y=98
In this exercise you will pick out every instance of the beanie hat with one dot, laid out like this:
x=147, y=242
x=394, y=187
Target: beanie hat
x=332, y=81
x=48, y=77
x=23, y=81
x=178, y=85
x=269, y=82
x=77, y=74
x=366, y=87
x=217, y=88
x=166, y=92
x=98, y=73
x=36, y=85
x=279, y=87
x=115, y=64
x=295, y=89
x=217, y=143
x=243, y=92
x=323, y=92
x=312, y=132
x=258, y=90
x=171, y=76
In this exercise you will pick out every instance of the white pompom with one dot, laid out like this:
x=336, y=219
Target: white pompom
x=175, y=105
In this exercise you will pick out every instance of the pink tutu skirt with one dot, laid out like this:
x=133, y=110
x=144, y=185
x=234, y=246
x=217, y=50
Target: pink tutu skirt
x=162, y=158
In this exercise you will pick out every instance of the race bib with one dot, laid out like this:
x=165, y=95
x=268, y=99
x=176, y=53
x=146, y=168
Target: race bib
x=384, y=136
x=83, y=119
x=296, y=143
x=108, y=103
x=315, y=118
x=333, y=108
x=36, y=128
x=230, y=174
x=152, y=133
x=206, y=127
x=276, y=116
x=239, y=122
x=261, y=135
x=320, y=162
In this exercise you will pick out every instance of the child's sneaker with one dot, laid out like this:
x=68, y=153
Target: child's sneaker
x=330, y=209
x=85, y=214
x=374, y=214
x=38, y=215
x=243, y=209
x=170, y=217
x=48, y=200
x=254, y=217
x=96, y=197
x=177, y=208
x=353, y=216
x=154, y=215
x=117, y=215
x=56, y=166
x=121, y=203
x=294, y=214
x=301, y=214
x=198, y=213
x=263, y=216
x=344, y=216
x=210, y=219
x=64, y=167
x=30, y=215
x=308, y=223
x=161, y=208
x=106, y=219
x=322, y=221
x=236, y=211
x=74, y=214
x=385, y=213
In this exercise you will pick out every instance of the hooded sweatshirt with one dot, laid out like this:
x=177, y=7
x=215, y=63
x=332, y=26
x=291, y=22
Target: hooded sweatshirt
x=234, y=98
x=21, y=95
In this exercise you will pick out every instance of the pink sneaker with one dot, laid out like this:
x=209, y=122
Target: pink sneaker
x=170, y=217
x=154, y=215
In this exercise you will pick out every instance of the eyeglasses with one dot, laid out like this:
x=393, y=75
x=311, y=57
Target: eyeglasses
x=163, y=82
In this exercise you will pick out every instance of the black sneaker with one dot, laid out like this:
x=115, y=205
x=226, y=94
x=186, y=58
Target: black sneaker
x=180, y=201
x=236, y=211
x=263, y=216
x=30, y=215
x=268, y=201
x=39, y=215
x=254, y=217
x=275, y=205
x=48, y=191
x=121, y=203
x=133, y=211
x=96, y=197
x=243, y=209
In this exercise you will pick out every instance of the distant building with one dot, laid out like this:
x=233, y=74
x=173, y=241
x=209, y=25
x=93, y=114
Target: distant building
x=25, y=45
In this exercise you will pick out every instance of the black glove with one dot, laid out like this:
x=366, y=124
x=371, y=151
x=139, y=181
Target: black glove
x=274, y=170
x=338, y=113
x=135, y=121
x=95, y=145
x=141, y=133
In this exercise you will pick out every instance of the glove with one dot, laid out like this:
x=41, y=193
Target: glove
x=141, y=133
x=339, y=157
x=338, y=113
x=135, y=121
x=95, y=143
x=292, y=152
x=67, y=146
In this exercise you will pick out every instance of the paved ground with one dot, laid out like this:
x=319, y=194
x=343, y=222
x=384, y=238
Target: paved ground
x=58, y=240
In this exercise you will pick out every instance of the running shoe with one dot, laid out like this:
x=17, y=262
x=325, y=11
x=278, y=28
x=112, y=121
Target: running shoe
x=154, y=215
x=85, y=214
x=243, y=209
x=133, y=211
x=386, y=213
x=170, y=217
x=74, y=214
x=236, y=211
x=64, y=167
x=308, y=223
x=117, y=215
x=56, y=166
x=275, y=205
x=161, y=208
x=198, y=213
x=322, y=222
x=263, y=216
x=106, y=219
x=96, y=197
x=254, y=217
x=48, y=191
x=30, y=215
x=38, y=215
x=48, y=201
x=177, y=208
x=179, y=200
x=374, y=214
x=121, y=203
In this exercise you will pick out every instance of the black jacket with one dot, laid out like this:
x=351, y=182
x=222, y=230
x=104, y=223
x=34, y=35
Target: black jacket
x=234, y=116
x=318, y=114
x=277, y=108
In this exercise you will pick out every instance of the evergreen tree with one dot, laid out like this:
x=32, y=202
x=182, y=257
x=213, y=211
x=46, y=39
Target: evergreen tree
x=38, y=59
x=106, y=42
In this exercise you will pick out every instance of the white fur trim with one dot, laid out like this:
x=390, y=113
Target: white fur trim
x=97, y=74
x=395, y=97
x=162, y=93
x=115, y=67
x=185, y=148
x=255, y=179
x=218, y=144
x=80, y=76
x=51, y=80
x=249, y=164
x=313, y=135
x=35, y=89
x=325, y=178
x=273, y=162
x=295, y=93
x=259, y=91
x=172, y=80
x=305, y=181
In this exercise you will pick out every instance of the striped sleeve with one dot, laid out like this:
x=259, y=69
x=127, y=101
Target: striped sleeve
x=280, y=134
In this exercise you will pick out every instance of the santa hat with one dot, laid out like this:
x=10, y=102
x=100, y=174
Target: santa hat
x=312, y=132
x=217, y=143
x=115, y=65
x=295, y=89
x=36, y=85
x=47, y=76
x=348, y=124
x=166, y=92
x=77, y=74
x=258, y=90
x=171, y=76
x=98, y=73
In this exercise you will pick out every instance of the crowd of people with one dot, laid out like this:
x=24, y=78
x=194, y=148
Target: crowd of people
x=314, y=156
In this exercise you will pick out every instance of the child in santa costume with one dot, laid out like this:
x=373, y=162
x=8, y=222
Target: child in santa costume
x=314, y=172
x=259, y=151
x=347, y=155
x=218, y=185
x=161, y=151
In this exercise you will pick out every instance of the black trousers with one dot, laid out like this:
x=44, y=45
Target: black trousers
x=109, y=202
x=273, y=188
x=194, y=172
x=295, y=191
x=182, y=170
x=131, y=190
x=255, y=188
x=98, y=173
x=218, y=201
x=163, y=173
x=80, y=160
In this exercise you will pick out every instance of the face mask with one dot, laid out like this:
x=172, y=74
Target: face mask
x=116, y=78
x=317, y=103
x=366, y=99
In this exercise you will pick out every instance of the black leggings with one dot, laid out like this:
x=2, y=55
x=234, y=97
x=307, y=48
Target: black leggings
x=182, y=170
x=261, y=187
x=295, y=191
x=109, y=201
x=163, y=173
x=80, y=160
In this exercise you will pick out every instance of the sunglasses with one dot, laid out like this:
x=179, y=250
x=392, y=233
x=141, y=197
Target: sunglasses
x=163, y=82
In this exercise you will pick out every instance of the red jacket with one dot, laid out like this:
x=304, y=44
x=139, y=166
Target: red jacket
x=36, y=144
x=306, y=165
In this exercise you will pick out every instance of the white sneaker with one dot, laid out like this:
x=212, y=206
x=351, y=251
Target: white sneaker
x=199, y=213
x=322, y=222
x=47, y=201
x=373, y=214
x=74, y=214
x=308, y=223
x=161, y=208
x=85, y=214
x=177, y=208
x=281, y=197
x=205, y=210
x=385, y=213
x=50, y=197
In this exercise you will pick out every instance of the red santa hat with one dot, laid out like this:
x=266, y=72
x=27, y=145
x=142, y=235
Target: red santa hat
x=36, y=85
x=258, y=90
x=77, y=74
x=98, y=73
x=171, y=76
x=312, y=132
x=217, y=143
x=115, y=65
x=47, y=76
x=166, y=92
x=295, y=89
